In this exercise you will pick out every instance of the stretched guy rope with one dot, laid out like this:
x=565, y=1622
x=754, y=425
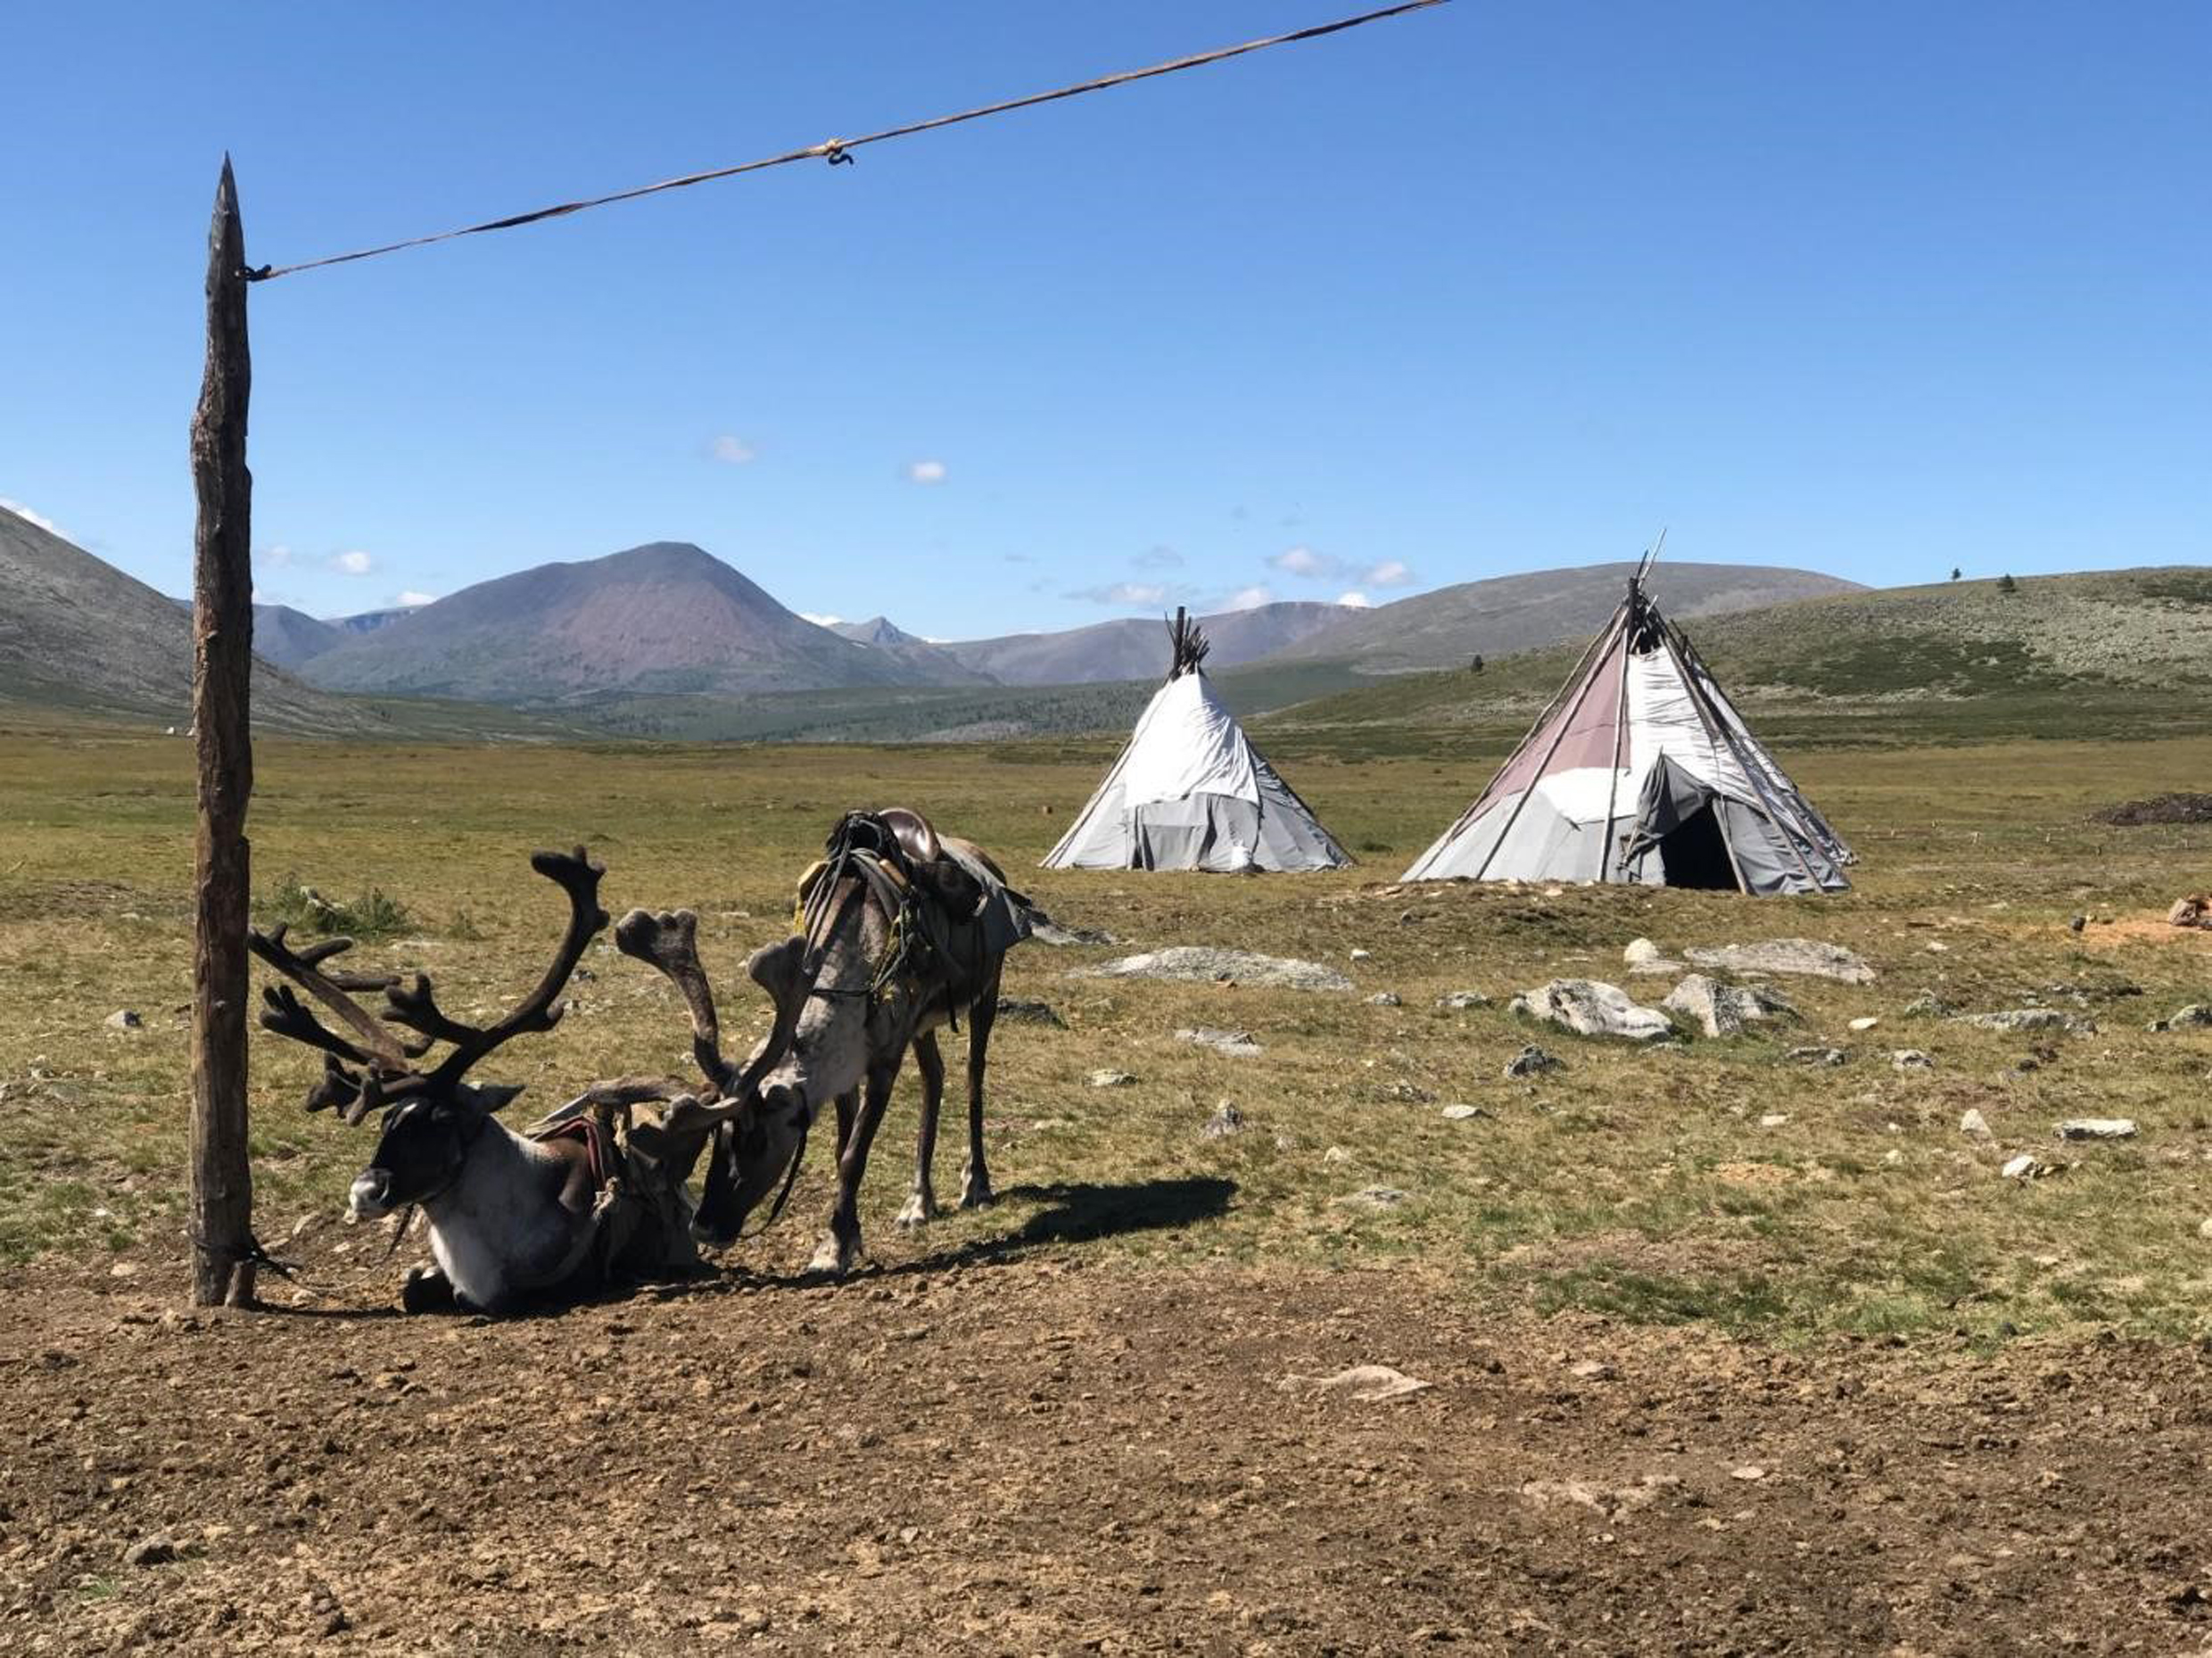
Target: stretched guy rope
x=839, y=149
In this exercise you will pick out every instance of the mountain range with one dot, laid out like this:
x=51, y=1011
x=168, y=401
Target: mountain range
x=665, y=638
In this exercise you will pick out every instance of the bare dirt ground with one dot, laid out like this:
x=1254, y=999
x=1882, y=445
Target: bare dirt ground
x=1017, y=1450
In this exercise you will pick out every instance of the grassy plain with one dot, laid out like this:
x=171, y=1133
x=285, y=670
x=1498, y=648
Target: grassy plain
x=1638, y=1184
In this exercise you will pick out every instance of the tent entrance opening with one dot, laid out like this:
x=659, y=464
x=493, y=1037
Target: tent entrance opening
x=1693, y=853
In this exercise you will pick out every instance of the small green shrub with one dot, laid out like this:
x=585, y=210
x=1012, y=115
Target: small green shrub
x=375, y=914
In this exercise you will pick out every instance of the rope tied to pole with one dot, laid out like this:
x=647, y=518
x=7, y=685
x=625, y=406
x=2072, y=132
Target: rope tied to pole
x=838, y=152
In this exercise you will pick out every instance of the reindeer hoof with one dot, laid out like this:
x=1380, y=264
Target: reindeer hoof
x=920, y=1211
x=978, y=1196
x=830, y=1258
x=426, y=1289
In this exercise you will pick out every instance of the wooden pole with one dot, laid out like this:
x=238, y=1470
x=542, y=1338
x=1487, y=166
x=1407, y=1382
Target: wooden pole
x=221, y=1205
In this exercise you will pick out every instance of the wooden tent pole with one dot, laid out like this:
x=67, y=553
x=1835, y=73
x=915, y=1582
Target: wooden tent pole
x=221, y=1179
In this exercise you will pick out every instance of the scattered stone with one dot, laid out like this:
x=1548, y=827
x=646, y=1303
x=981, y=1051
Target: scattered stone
x=1865, y=1021
x=1928, y=1006
x=2030, y=1019
x=1893, y=1157
x=1592, y=1370
x=1773, y=1119
x=1029, y=1012
x=1206, y=965
x=2075, y=923
x=2194, y=911
x=1336, y=1154
x=1817, y=1056
x=2204, y=1228
x=1643, y=956
x=1227, y=1121
x=149, y=1551
x=1461, y=1113
x=1386, y=999
x=2098, y=1128
x=1409, y=1093
x=1975, y=1124
x=1111, y=1079
x=1722, y=1010
x=1459, y=1000
x=1236, y=1043
x=2025, y=1167
x=1911, y=1059
x=1363, y=955
x=125, y=1018
x=1749, y=1471
x=1532, y=1061
x=1372, y=1198
x=1590, y=1007
x=1366, y=1384
x=1808, y=957
x=2195, y=1016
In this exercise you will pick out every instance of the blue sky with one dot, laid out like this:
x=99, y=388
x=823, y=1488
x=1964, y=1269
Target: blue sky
x=1875, y=289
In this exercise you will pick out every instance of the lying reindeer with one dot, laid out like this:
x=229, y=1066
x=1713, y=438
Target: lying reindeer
x=509, y=1214
x=851, y=992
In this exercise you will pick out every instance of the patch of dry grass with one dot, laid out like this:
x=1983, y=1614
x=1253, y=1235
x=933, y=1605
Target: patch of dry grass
x=1638, y=1183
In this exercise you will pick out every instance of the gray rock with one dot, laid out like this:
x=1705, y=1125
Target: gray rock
x=1928, y=1006
x=1367, y=1385
x=1203, y=964
x=1386, y=999
x=125, y=1018
x=1865, y=1021
x=1336, y=1154
x=1808, y=957
x=1363, y=955
x=1227, y=1121
x=1589, y=1007
x=2030, y=1019
x=1532, y=1061
x=2195, y=1016
x=2025, y=1168
x=1911, y=1059
x=1236, y=1043
x=1412, y=1093
x=1974, y=1124
x=1047, y=931
x=1460, y=1000
x=1817, y=1056
x=1029, y=1012
x=1643, y=956
x=1111, y=1079
x=2098, y=1128
x=1722, y=1010
x=1461, y=1113
x=149, y=1551
x=1372, y=1198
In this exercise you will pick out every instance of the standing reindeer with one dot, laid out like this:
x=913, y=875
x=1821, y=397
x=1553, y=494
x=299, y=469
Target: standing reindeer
x=509, y=1214
x=900, y=936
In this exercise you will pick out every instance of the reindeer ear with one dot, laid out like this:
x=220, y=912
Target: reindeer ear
x=486, y=1098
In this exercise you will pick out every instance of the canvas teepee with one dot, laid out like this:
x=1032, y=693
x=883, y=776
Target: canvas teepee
x=1642, y=770
x=1190, y=791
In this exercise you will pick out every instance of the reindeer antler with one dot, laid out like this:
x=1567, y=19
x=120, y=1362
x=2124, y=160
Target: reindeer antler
x=669, y=942
x=385, y=1058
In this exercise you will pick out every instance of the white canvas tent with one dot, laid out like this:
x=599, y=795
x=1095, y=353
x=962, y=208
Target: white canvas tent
x=1190, y=791
x=1642, y=771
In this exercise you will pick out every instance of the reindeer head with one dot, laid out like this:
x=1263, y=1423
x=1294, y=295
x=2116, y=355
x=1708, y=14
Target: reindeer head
x=757, y=1129
x=432, y=1115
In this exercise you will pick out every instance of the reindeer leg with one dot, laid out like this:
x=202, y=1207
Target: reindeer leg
x=922, y=1205
x=848, y=1108
x=975, y=1186
x=427, y=1289
x=836, y=1253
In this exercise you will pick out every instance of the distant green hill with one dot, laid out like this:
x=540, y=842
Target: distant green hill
x=2099, y=654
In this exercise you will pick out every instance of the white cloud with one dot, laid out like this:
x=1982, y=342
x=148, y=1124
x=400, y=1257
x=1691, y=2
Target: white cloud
x=408, y=599
x=277, y=556
x=1390, y=572
x=1123, y=593
x=926, y=472
x=352, y=564
x=28, y=517
x=1303, y=561
x=731, y=450
x=1159, y=558
x=1355, y=600
x=822, y=620
x=1247, y=598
